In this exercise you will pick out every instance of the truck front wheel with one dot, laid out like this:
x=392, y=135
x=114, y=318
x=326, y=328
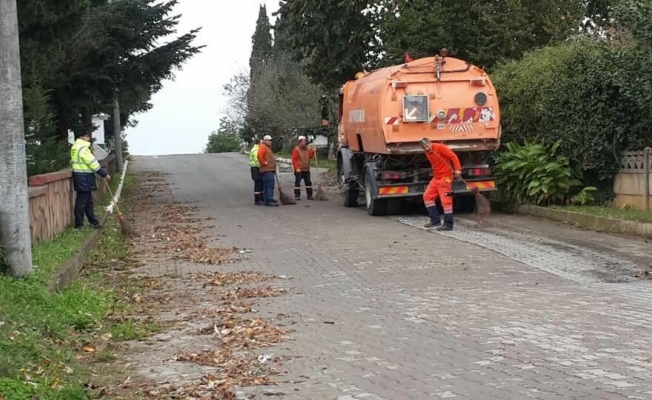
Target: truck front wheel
x=374, y=205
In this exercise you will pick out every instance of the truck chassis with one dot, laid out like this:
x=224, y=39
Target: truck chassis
x=387, y=181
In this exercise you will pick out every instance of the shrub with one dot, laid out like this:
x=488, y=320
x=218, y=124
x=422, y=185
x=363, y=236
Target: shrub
x=538, y=174
x=592, y=95
x=223, y=142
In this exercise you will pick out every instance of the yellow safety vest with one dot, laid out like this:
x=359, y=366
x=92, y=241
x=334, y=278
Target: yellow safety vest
x=82, y=160
x=253, y=156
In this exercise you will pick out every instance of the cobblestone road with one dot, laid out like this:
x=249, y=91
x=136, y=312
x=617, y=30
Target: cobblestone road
x=382, y=310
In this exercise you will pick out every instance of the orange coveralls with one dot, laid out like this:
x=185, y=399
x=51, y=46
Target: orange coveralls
x=441, y=159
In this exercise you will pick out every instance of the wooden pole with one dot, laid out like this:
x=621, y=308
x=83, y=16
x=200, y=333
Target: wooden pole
x=646, y=168
x=14, y=194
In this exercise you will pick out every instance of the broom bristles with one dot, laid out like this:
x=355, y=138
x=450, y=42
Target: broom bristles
x=320, y=195
x=285, y=199
x=125, y=227
x=482, y=205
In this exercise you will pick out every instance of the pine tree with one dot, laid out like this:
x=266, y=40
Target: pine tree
x=333, y=39
x=86, y=49
x=45, y=152
x=261, y=41
x=261, y=51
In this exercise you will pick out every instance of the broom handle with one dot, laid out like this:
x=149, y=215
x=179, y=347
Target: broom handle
x=112, y=196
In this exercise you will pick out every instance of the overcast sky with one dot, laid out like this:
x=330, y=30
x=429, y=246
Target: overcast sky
x=189, y=108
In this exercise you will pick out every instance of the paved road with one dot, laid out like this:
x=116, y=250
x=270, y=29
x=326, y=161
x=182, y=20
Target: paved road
x=384, y=310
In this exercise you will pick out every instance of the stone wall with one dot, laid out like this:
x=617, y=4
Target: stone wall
x=630, y=183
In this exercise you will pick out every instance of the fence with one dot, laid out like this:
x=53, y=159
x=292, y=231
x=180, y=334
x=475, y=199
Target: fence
x=632, y=183
x=52, y=199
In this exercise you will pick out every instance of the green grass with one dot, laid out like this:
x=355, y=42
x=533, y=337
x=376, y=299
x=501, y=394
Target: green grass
x=626, y=213
x=42, y=333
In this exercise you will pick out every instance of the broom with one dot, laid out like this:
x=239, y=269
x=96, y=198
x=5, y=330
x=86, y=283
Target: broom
x=285, y=199
x=125, y=228
x=319, y=195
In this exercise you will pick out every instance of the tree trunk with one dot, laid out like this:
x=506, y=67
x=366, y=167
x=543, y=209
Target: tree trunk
x=87, y=120
x=14, y=208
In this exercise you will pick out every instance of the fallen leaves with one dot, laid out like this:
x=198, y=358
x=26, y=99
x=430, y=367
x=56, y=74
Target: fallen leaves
x=202, y=254
x=245, y=333
x=88, y=349
x=173, y=231
x=233, y=369
x=249, y=293
x=231, y=278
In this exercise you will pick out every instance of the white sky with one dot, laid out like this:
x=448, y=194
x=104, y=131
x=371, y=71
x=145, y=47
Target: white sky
x=189, y=108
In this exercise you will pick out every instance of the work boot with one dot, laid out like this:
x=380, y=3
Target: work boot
x=297, y=194
x=309, y=194
x=434, y=217
x=448, y=223
x=259, y=200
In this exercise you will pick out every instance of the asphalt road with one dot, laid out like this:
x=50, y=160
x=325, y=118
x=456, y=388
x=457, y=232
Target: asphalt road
x=382, y=309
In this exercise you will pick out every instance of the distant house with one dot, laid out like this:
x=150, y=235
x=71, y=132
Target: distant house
x=100, y=147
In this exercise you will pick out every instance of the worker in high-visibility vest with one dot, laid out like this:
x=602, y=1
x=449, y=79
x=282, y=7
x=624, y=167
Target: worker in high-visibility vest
x=84, y=167
x=255, y=174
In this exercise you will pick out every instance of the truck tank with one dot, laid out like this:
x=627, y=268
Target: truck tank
x=385, y=113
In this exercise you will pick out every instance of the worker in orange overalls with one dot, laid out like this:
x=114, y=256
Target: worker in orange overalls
x=445, y=167
x=301, y=156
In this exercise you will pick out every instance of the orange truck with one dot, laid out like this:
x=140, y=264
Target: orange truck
x=385, y=113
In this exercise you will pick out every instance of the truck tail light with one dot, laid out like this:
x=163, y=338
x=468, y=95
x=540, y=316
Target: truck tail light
x=482, y=171
x=478, y=82
x=392, y=175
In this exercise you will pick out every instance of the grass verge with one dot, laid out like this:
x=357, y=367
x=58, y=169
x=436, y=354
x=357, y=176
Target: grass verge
x=330, y=165
x=629, y=214
x=47, y=340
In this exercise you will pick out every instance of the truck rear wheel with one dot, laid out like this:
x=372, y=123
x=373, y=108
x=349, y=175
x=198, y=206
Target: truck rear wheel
x=394, y=206
x=374, y=205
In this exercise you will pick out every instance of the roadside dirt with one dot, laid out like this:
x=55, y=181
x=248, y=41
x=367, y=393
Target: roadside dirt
x=209, y=339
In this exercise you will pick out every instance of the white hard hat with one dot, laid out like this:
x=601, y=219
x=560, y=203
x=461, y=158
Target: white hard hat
x=267, y=137
x=302, y=138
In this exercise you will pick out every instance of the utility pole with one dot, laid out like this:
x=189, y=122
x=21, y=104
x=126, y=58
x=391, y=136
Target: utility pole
x=117, y=128
x=14, y=197
x=117, y=132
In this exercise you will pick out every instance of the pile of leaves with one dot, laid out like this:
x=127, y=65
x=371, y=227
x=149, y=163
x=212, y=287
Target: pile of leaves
x=231, y=278
x=249, y=293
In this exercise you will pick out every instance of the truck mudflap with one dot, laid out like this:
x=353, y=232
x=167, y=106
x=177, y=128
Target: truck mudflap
x=417, y=189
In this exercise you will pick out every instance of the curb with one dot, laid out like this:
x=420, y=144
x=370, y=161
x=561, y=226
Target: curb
x=585, y=221
x=70, y=269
